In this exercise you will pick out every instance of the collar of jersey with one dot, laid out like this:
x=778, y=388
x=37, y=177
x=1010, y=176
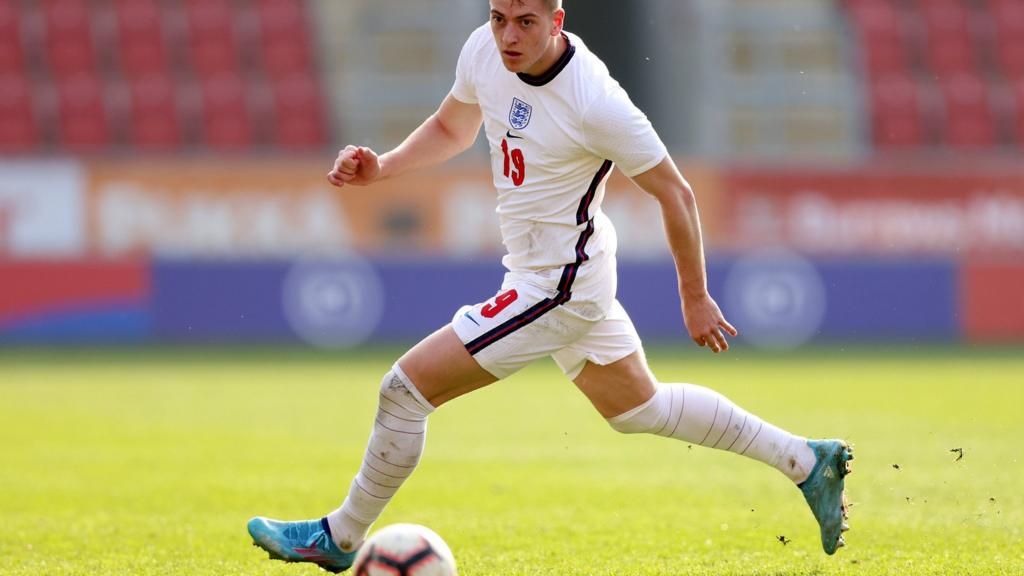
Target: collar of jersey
x=557, y=67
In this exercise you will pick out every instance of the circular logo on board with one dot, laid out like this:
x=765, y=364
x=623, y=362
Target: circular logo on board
x=777, y=298
x=333, y=303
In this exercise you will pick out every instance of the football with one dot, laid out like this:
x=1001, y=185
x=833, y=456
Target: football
x=404, y=550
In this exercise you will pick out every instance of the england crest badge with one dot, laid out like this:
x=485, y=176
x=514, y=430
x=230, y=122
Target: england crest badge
x=519, y=115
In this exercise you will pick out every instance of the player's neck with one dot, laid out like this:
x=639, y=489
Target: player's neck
x=551, y=56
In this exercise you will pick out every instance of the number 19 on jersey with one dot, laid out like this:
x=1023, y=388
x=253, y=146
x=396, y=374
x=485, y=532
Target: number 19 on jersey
x=515, y=164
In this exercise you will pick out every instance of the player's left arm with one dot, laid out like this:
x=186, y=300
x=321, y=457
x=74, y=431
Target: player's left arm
x=704, y=320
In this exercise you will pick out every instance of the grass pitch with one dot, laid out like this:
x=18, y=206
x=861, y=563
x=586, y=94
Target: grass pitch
x=144, y=462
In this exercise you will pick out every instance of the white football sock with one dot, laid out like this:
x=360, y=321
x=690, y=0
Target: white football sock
x=392, y=454
x=702, y=416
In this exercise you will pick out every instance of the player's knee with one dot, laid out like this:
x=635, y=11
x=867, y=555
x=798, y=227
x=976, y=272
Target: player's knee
x=643, y=419
x=396, y=389
x=627, y=426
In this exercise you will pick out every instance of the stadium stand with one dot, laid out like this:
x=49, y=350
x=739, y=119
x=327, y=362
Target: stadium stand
x=154, y=113
x=969, y=120
x=941, y=72
x=69, y=38
x=226, y=120
x=298, y=110
x=775, y=80
x=82, y=111
x=949, y=46
x=880, y=37
x=896, y=112
x=158, y=76
x=211, y=37
x=1008, y=16
x=391, y=61
x=1017, y=95
x=11, y=54
x=18, y=131
x=281, y=22
x=831, y=79
x=141, y=38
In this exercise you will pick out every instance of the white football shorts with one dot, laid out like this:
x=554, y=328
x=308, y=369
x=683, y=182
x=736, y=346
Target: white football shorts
x=524, y=322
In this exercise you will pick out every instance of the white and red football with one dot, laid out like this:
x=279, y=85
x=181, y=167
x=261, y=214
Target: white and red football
x=404, y=550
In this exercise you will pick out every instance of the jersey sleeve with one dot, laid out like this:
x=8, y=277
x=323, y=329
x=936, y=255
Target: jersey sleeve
x=615, y=129
x=464, y=89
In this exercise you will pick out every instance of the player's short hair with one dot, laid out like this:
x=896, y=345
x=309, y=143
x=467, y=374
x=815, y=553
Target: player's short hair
x=551, y=5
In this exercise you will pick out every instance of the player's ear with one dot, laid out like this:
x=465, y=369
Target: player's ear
x=559, y=21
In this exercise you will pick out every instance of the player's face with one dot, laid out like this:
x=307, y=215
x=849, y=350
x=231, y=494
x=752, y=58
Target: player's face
x=526, y=33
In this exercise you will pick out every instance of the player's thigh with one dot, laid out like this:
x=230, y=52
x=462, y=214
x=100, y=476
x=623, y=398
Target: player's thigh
x=618, y=387
x=608, y=365
x=441, y=368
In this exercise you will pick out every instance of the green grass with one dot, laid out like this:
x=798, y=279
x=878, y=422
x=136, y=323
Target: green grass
x=150, y=462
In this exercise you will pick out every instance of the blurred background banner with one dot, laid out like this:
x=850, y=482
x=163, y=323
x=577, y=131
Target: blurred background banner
x=880, y=209
x=75, y=301
x=41, y=208
x=858, y=165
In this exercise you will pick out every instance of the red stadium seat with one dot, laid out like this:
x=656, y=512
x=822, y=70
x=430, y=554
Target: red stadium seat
x=1004, y=114
x=83, y=118
x=950, y=48
x=226, y=113
x=154, y=117
x=1008, y=16
x=69, y=37
x=1007, y=10
x=881, y=37
x=1011, y=55
x=281, y=58
x=214, y=56
x=138, y=17
x=143, y=56
x=282, y=18
x=896, y=112
x=12, y=58
x=211, y=37
x=969, y=119
x=209, y=18
x=1018, y=98
x=298, y=111
x=18, y=130
x=285, y=41
x=140, y=37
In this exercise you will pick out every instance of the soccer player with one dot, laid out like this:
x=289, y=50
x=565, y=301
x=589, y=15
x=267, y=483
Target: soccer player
x=556, y=124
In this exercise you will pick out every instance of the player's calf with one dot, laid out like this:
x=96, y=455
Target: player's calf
x=392, y=454
x=700, y=416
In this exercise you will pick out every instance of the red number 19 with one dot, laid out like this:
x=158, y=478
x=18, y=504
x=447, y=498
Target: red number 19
x=517, y=161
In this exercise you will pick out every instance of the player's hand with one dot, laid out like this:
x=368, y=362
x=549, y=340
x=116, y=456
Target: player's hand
x=356, y=165
x=705, y=322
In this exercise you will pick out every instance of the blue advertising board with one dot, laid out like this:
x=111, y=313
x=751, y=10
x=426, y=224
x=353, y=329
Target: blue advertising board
x=777, y=300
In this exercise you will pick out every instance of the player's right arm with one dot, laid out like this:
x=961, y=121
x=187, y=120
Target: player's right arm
x=446, y=134
x=614, y=128
x=701, y=314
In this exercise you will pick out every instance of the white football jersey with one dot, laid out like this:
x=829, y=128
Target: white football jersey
x=554, y=140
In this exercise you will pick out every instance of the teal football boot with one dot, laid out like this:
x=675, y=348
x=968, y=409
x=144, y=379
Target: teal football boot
x=302, y=541
x=823, y=490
